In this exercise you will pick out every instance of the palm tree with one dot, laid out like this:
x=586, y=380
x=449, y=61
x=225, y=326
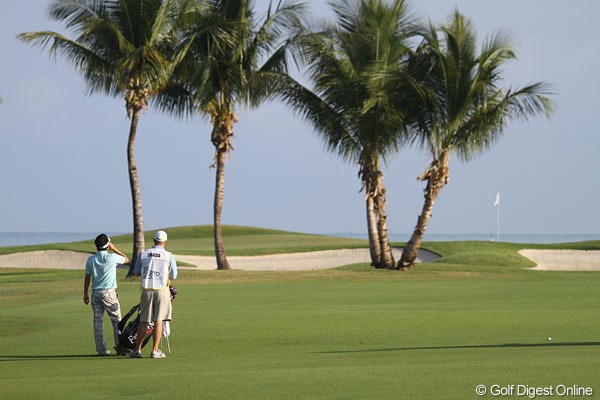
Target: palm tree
x=464, y=111
x=236, y=60
x=348, y=106
x=123, y=48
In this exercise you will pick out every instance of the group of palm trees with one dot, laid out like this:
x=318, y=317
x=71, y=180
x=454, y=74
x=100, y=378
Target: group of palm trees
x=378, y=81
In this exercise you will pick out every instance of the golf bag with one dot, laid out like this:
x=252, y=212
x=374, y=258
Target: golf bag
x=128, y=330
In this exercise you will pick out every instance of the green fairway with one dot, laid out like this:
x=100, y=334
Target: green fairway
x=436, y=332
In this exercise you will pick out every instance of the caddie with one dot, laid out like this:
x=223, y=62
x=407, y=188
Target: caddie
x=157, y=268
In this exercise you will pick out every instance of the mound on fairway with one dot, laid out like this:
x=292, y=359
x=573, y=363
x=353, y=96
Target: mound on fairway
x=306, y=261
x=252, y=249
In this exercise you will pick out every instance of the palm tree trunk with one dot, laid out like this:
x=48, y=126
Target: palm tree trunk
x=222, y=262
x=370, y=186
x=374, y=244
x=379, y=245
x=386, y=256
x=437, y=177
x=136, y=198
x=411, y=251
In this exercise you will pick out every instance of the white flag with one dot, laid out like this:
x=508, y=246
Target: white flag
x=497, y=199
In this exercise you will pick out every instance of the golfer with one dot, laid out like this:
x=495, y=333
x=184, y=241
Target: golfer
x=157, y=266
x=101, y=271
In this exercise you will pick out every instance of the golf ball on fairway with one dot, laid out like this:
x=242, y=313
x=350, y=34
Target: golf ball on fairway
x=549, y=338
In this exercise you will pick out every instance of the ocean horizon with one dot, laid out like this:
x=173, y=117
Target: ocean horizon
x=538, y=238
x=35, y=238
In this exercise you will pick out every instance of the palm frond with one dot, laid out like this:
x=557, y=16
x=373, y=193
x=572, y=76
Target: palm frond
x=97, y=71
x=76, y=14
x=355, y=66
x=464, y=108
x=176, y=100
x=119, y=42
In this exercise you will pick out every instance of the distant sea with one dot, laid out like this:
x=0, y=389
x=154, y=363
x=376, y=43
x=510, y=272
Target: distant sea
x=512, y=238
x=32, y=238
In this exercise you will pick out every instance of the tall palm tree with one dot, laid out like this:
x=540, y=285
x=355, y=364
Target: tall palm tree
x=464, y=111
x=236, y=60
x=348, y=65
x=122, y=48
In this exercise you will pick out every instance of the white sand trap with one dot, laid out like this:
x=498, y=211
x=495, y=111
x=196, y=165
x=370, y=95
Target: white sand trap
x=60, y=259
x=51, y=259
x=564, y=260
x=309, y=261
x=547, y=260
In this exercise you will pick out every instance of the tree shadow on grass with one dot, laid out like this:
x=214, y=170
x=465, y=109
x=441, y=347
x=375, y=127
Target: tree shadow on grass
x=57, y=357
x=477, y=346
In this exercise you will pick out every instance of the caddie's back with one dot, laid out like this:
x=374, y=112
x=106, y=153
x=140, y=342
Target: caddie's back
x=155, y=268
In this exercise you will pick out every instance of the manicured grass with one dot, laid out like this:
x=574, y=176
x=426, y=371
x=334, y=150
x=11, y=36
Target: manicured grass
x=317, y=338
x=476, y=317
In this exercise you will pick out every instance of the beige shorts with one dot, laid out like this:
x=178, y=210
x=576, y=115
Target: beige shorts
x=155, y=305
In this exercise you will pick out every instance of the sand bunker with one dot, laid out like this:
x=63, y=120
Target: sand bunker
x=52, y=259
x=564, y=260
x=316, y=260
x=547, y=260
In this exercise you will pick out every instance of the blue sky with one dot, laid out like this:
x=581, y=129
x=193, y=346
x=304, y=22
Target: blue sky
x=63, y=164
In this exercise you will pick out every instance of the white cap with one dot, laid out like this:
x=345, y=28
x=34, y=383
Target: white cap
x=160, y=236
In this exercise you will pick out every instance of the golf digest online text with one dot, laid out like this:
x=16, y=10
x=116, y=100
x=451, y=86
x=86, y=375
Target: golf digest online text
x=534, y=392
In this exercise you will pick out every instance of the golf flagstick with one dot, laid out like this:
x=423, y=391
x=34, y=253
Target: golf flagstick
x=497, y=205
